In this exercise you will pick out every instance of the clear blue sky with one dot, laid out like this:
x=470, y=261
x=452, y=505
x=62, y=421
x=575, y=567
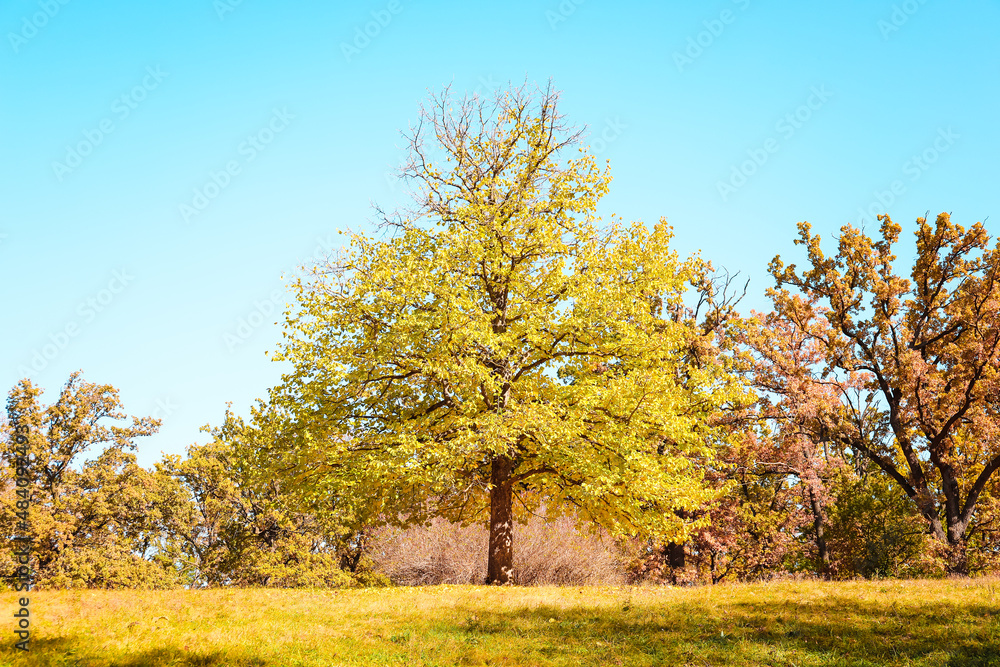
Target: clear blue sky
x=114, y=113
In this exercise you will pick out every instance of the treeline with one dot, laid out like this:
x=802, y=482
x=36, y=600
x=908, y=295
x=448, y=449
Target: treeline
x=500, y=364
x=210, y=519
x=201, y=520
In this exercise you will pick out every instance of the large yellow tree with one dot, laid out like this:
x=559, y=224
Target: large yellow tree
x=500, y=344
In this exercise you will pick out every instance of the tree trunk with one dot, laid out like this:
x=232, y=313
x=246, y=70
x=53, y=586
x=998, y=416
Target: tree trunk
x=675, y=559
x=958, y=557
x=821, y=548
x=675, y=556
x=500, y=566
x=950, y=536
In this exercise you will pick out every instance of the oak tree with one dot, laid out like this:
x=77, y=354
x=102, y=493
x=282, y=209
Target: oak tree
x=928, y=348
x=102, y=521
x=501, y=345
x=799, y=400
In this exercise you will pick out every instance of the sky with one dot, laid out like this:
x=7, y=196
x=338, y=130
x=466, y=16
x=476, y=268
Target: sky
x=165, y=164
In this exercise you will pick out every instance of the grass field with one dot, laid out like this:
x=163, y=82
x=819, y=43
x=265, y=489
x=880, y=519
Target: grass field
x=798, y=623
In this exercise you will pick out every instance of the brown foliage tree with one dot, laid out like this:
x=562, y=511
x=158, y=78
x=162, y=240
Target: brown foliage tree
x=928, y=352
x=799, y=401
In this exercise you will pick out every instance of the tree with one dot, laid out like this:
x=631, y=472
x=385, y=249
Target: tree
x=719, y=547
x=799, y=402
x=104, y=522
x=928, y=349
x=754, y=527
x=244, y=529
x=501, y=343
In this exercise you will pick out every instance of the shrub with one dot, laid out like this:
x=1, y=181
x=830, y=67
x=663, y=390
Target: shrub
x=875, y=531
x=545, y=552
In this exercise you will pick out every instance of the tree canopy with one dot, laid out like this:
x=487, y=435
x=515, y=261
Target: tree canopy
x=927, y=353
x=501, y=341
x=102, y=522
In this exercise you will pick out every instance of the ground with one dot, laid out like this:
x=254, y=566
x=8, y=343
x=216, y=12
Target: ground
x=954, y=623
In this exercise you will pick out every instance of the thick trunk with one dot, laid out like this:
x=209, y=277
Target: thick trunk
x=958, y=557
x=674, y=552
x=500, y=566
x=821, y=548
x=950, y=533
x=937, y=530
x=675, y=556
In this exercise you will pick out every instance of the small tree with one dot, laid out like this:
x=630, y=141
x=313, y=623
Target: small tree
x=244, y=528
x=501, y=343
x=754, y=526
x=875, y=531
x=103, y=522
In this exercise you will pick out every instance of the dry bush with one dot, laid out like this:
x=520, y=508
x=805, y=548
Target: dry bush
x=545, y=553
x=442, y=553
x=557, y=553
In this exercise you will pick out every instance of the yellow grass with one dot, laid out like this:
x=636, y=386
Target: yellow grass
x=955, y=623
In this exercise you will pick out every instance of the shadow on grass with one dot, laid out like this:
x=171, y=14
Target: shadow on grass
x=833, y=631
x=830, y=631
x=177, y=657
x=62, y=652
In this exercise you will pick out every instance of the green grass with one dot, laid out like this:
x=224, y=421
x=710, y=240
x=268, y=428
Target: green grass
x=955, y=623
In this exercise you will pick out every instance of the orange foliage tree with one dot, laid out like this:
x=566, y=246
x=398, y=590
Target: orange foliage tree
x=927, y=352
